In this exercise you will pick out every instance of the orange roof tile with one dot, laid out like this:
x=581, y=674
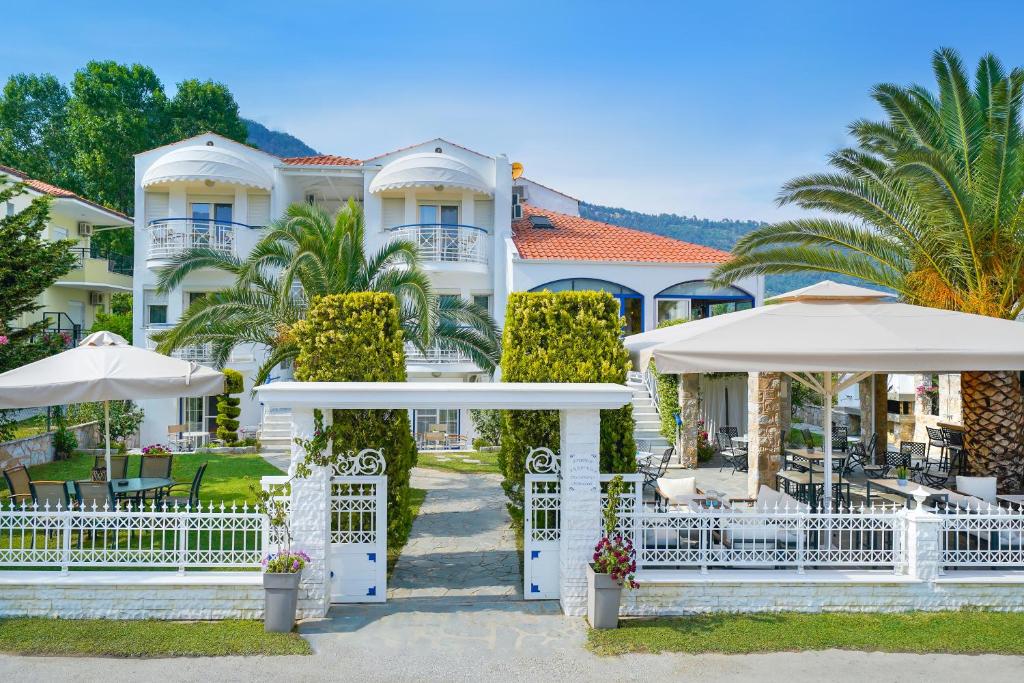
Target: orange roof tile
x=321, y=160
x=54, y=191
x=580, y=239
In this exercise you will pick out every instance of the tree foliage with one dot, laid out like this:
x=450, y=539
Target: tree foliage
x=562, y=337
x=357, y=337
x=33, y=128
x=228, y=408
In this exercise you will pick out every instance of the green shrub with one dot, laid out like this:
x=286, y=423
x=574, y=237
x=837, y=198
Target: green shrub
x=668, y=401
x=357, y=338
x=562, y=337
x=228, y=407
x=488, y=426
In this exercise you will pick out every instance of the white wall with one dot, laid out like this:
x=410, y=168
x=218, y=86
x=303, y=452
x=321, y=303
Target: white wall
x=547, y=198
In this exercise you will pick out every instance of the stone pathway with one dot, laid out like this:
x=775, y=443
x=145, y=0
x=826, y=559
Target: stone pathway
x=461, y=543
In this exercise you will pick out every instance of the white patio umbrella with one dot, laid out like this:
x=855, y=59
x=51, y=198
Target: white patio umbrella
x=105, y=367
x=844, y=332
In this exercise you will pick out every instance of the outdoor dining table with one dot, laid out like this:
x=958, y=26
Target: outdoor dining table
x=812, y=458
x=907, y=490
x=127, y=487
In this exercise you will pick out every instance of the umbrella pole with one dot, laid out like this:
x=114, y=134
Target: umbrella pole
x=106, y=429
x=827, y=445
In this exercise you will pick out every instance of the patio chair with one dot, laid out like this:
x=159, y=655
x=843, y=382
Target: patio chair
x=95, y=493
x=155, y=466
x=175, y=438
x=918, y=451
x=50, y=494
x=657, y=469
x=937, y=439
x=189, y=502
x=19, y=483
x=732, y=455
x=118, y=466
x=729, y=431
x=840, y=438
x=892, y=461
x=758, y=533
x=954, y=448
x=808, y=437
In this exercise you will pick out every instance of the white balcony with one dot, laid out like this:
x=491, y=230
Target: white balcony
x=435, y=356
x=441, y=243
x=170, y=237
x=199, y=353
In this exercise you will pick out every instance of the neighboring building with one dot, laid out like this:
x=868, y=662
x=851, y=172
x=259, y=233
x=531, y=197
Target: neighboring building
x=482, y=235
x=70, y=304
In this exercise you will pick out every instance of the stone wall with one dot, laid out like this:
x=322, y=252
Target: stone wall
x=764, y=428
x=132, y=595
x=689, y=415
x=36, y=450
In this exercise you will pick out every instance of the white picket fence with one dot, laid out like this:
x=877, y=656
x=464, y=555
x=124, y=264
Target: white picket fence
x=140, y=536
x=982, y=536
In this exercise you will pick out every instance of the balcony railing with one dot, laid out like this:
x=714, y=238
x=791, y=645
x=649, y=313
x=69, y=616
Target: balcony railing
x=435, y=355
x=200, y=353
x=446, y=243
x=169, y=237
x=115, y=263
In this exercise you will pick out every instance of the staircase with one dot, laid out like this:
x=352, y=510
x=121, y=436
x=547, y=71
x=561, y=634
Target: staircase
x=276, y=438
x=647, y=423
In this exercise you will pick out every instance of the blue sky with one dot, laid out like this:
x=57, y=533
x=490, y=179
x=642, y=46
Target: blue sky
x=695, y=108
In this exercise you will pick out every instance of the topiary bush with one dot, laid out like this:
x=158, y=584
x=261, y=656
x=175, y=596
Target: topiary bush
x=357, y=338
x=228, y=407
x=562, y=337
x=668, y=401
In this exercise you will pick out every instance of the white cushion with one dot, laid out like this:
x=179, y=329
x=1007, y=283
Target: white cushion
x=979, y=487
x=675, y=489
x=770, y=500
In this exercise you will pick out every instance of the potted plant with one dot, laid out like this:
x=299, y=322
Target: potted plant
x=283, y=569
x=613, y=567
x=902, y=475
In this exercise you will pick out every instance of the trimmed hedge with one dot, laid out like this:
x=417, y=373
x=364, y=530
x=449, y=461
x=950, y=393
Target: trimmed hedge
x=228, y=407
x=562, y=337
x=668, y=392
x=357, y=338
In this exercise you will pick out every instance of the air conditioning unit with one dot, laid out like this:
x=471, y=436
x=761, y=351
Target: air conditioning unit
x=311, y=199
x=84, y=229
x=517, y=207
x=95, y=298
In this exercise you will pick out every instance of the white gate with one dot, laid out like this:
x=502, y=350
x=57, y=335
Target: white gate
x=359, y=529
x=542, y=525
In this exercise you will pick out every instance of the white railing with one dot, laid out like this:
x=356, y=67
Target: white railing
x=650, y=380
x=446, y=243
x=169, y=237
x=199, y=353
x=147, y=536
x=435, y=354
x=981, y=535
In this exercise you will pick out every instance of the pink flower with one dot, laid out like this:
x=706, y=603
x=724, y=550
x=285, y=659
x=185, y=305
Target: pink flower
x=4, y=341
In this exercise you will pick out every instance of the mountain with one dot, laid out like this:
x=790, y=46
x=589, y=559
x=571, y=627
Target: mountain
x=720, y=234
x=275, y=142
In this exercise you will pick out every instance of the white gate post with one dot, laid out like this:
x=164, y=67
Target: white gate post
x=310, y=519
x=580, y=442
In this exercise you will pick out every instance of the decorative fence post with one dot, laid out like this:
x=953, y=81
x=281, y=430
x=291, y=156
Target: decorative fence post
x=310, y=519
x=580, y=435
x=923, y=534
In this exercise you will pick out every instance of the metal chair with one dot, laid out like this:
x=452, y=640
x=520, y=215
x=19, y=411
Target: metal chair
x=954, y=449
x=175, y=439
x=155, y=466
x=19, y=483
x=190, y=502
x=918, y=451
x=729, y=431
x=98, y=494
x=654, y=472
x=840, y=438
x=892, y=461
x=808, y=437
x=50, y=494
x=936, y=438
x=118, y=466
x=732, y=455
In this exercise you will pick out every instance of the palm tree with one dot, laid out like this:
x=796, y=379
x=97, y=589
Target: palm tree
x=307, y=254
x=930, y=204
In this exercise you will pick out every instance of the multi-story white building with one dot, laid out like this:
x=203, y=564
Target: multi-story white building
x=481, y=233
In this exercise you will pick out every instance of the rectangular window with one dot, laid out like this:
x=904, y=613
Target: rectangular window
x=673, y=309
x=195, y=296
x=447, y=214
x=156, y=314
x=483, y=301
x=435, y=428
x=59, y=233
x=447, y=298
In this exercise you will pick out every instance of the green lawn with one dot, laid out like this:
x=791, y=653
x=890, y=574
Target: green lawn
x=150, y=638
x=416, y=498
x=31, y=426
x=916, y=632
x=488, y=462
x=227, y=476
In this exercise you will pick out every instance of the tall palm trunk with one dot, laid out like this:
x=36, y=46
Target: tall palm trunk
x=993, y=412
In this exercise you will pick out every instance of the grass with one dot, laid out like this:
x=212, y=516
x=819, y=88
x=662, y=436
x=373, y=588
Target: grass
x=144, y=638
x=796, y=438
x=488, y=462
x=227, y=477
x=966, y=632
x=30, y=426
x=416, y=498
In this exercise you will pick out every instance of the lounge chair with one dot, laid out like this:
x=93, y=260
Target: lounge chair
x=19, y=483
x=52, y=495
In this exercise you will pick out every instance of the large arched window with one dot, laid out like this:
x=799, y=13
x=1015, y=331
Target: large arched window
x=631, y=303
x=698, y=299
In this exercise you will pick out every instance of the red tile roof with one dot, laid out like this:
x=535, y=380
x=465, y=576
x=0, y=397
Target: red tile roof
x=54, y=191
x=321, y=160
x=580, y=239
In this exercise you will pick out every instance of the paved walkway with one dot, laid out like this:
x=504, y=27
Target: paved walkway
x=461, y=543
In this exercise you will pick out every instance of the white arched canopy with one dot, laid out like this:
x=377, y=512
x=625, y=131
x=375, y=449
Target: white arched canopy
x=429, y=170
x=200, y=162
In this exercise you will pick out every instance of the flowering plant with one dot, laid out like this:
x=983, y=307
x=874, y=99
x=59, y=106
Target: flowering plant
x=614, y=554
x=927, y=390
x=286, y=562
x=156, y=449
x=705, y=449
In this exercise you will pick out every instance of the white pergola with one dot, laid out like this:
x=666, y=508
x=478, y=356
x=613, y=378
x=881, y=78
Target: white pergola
x=579, y=407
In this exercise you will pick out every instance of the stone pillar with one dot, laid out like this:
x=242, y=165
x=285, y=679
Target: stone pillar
x=950, y=401
x=922, y=408
x=923, y=548
x=880, y=407
x=579, y=448
x=689, y=415
x=764, y=423
x=310, y=518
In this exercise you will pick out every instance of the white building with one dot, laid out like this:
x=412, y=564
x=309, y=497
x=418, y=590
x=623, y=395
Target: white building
x=482, y=236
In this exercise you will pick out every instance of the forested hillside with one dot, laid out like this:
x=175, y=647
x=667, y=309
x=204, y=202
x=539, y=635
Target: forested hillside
x=276, y=142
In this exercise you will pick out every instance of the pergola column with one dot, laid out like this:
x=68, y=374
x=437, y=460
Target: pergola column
x=580, y=442
x=310, y=515
x=689, y=415
x=764, y=429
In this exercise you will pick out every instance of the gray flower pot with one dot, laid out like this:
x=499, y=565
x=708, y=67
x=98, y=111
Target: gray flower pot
x=603, y=598
x=281, y=593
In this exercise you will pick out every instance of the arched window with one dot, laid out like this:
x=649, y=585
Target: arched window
x=698, y=299
x=631, y=302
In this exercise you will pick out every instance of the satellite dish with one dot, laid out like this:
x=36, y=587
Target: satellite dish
x=517, y=170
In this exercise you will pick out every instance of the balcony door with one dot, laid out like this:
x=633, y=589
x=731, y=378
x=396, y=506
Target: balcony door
x=211, y=218
x=439, y=236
